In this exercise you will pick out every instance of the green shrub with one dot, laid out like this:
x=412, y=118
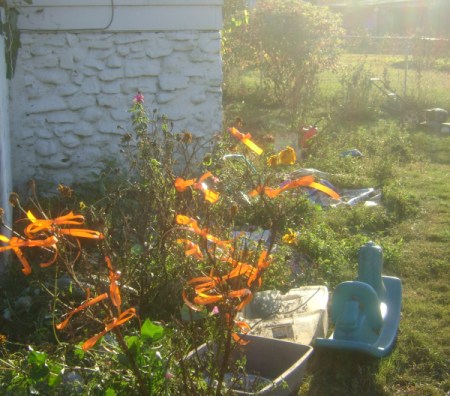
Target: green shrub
x=294, y=41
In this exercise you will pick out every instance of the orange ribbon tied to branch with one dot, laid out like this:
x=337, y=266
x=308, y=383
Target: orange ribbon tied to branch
x=191, y=248
x=114, y=291
x=124, y=317
x=305, y=181
x=242, y=326
x=246, y=139
x=53, y=226
x=210, y=195
x=194, y=227
x=88, y=303
x=16, y=244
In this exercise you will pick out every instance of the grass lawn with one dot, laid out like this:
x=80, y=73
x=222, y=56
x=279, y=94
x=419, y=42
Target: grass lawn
x=420, y=363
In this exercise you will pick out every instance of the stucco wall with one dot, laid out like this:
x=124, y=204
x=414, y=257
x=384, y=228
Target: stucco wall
x=73, y=83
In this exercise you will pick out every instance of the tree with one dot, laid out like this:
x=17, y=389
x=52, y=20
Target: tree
x=294, y=41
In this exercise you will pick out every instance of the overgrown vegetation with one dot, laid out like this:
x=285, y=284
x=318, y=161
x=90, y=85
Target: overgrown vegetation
x=164, y=265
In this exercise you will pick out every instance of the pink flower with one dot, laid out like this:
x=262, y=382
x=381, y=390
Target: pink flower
x=215, y=310
x=168, y=375
x=139, y=98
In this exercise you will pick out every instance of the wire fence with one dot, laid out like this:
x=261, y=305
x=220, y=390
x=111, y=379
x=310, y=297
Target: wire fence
x=415, y=67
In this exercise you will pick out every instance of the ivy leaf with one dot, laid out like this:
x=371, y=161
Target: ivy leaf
x=151, y=332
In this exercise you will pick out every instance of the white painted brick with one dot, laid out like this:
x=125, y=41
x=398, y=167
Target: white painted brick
x=123, y=50
x=76, y=77
x=72, y=40
x=80, y=102
x=84, y=129
x=62, y=129
x=37, y=91
x=198, y=55
x=182, y=36
x=46, y=147
x=111, y=74
x=129, y=38
x=46, y=104
x=51, y=76
x=114, y=62
x=103, y=54
x=175, y=63
x=119, y=114
x=88, y=156
x=209, y=45
x=90, y=86
x=112, y=87
x=66, y=61
x=92, y=114
x=61, y=117
x=99, y=73
x=98, y=44
x=109, y=127
x=88, y=72
x=137, y=68
x=55, y=40
x=57, y=161
x=94, y=64
x=185, y=45
x=44, y=61
x=70, y=141
x=158, y=48
x=39, y=50
x=66, y=89
x=27, y=39
x=114, y=101
x=146, y=85
x=24, y=133
x=172, y=82
x=79, y=53
x=198, y=98
x=165, y=97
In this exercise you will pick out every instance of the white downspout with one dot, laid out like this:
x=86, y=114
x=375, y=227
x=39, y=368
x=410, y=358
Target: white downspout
x=5, y=147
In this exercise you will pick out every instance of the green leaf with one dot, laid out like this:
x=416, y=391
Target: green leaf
x=36, y=358
x=133, y=344
x=39, y=368
x=151, y=332
x=110, y=392
x=78, y=352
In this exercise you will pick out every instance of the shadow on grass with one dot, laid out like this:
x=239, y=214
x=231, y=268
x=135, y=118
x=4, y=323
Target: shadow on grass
x=343, y=373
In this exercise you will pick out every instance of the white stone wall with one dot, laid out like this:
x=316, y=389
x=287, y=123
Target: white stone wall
x=71, y=91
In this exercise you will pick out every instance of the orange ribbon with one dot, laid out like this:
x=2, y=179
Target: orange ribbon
x=124, y=317
x=50, y=225
x=16, y=244
x=191, y=248
x=305, y=181
x=193, y=226
x=114, y=291
x=210, y=196
x=243, y=328
x=88, y=303
x=246, y=139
